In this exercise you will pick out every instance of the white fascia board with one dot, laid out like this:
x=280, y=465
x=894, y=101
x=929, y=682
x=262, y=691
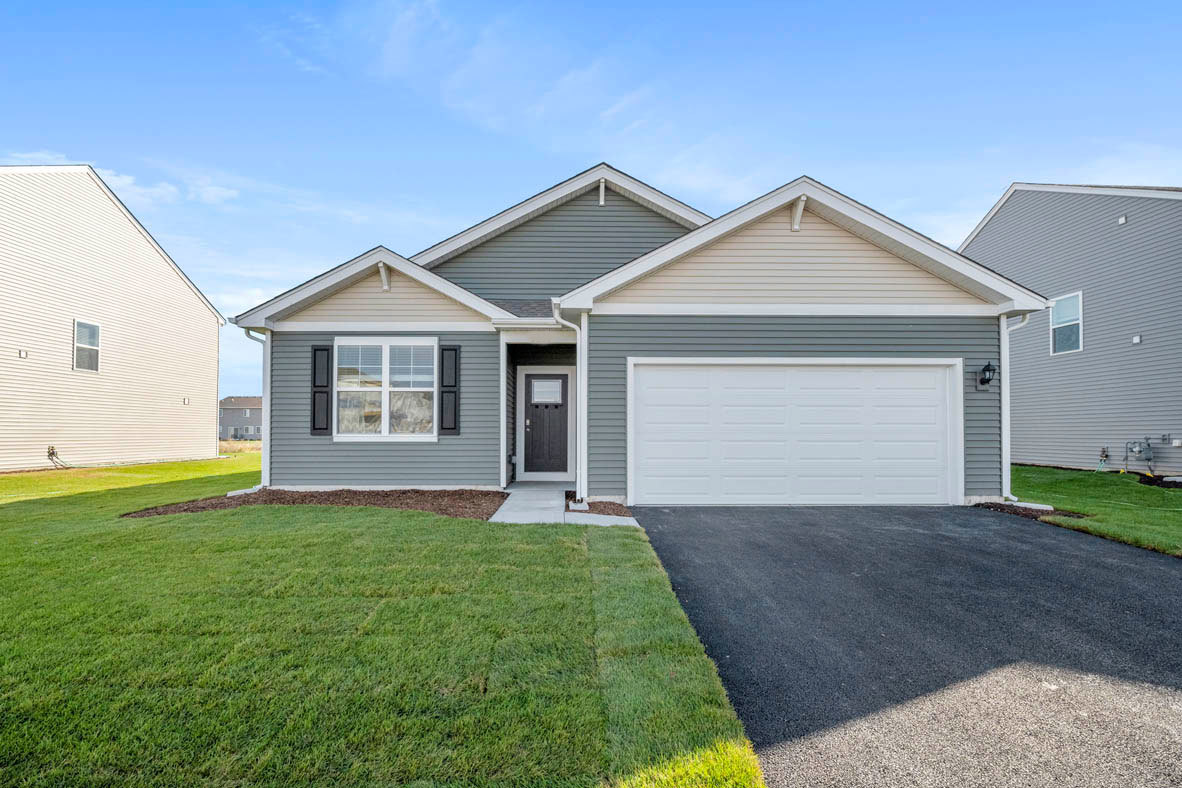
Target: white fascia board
x=313, y=326
x=940, y=259
x=344, y=274
x=905, y=310
x=1108, y=191
x=625, y=184
x=526, y=323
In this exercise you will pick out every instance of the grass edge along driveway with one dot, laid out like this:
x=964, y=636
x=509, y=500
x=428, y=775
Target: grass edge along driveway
x=324, y=645
x=1120, y=507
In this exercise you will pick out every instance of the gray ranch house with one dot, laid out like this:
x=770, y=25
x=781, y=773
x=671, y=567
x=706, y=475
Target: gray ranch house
x=801, y=349
x=240, y=418
x=1096, y=375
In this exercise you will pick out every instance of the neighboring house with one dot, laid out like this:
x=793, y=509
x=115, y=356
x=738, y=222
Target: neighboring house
x=799, y=349
x=1100, y=368
x=240, y=418
x=108, y=353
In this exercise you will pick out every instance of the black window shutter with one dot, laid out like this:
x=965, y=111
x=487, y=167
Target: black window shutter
x=449, y=389
x=321, y=390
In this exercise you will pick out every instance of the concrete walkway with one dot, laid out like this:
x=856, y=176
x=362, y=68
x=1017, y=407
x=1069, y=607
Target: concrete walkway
x=545, y=502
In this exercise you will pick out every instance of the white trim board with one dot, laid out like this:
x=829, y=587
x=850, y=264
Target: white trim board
x=954, y=391
x=336, y=326
x=572, y=453
x=554, y=196
x=1107, y=191
x=820, y=309
x=836, y=208
x=266, y=315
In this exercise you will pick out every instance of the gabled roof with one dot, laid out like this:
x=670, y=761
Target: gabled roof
x=569, y=189
x=353, y=271
x=89, y=172
x=838, y=209
x=241, y=402
x=1157, y=192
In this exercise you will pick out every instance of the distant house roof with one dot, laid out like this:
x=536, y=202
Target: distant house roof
x=241, y=402
x=1157, y=192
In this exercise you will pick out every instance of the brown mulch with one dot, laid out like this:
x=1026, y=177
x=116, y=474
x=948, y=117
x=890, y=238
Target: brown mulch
x=600, y=507
x=474, y=504
x=1158, y=481
x=1029, y=514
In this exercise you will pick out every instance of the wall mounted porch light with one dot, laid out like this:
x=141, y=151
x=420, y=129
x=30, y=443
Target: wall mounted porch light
x=988, y=372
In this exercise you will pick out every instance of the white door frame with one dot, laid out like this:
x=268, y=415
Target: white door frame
x=572, y=453
x=955, y=391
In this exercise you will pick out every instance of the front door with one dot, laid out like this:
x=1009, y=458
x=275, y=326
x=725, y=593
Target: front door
x=547, y=420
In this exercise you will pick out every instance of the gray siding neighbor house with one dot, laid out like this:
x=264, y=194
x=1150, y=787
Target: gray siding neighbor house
x=1098, y=370
x=800, y=349
x=240, y=418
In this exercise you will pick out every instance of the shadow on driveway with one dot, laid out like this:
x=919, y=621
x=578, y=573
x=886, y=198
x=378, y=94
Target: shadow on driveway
x=934, y=645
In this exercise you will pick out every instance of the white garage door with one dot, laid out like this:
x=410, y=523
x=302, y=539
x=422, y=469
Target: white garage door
x=792, y=433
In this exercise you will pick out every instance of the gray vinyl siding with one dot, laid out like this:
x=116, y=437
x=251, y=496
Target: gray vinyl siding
x=470, y=458
x=1065, y=408
x=611, y=339
x=231, y=421
x=557, y=251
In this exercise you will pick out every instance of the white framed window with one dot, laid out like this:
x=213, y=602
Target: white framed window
x=246, y=412
x=1067, y=324
x=86, y=346
x=386, y=388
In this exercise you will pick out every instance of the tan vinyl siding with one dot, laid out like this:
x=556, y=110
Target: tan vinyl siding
x=68, y=252
x=407, y=301
x=765, y=262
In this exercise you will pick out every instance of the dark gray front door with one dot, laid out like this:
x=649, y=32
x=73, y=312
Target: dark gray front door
x=546, y=423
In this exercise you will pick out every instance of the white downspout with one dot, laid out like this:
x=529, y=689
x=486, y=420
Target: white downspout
x=581, y=404
x=265, y=341
x=1006, y=492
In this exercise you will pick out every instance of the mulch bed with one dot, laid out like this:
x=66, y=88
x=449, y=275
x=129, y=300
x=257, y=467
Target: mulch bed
x=474, y=504
x=1029, y=514
x=600, y=507
x=1158, y=481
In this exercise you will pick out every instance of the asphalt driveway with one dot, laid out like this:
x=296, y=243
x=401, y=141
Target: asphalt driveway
x=934, y=646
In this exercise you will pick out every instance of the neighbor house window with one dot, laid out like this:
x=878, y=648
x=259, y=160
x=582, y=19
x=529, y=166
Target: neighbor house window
x=386, y=388
x=1067, y=324
x=246, y=412
x=86, y=346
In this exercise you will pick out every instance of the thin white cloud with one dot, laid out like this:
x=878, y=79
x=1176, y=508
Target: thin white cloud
x=136, y=195
x=37, y=157
x=211, y=194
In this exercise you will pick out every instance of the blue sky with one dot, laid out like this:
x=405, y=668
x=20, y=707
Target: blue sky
x=263, y=145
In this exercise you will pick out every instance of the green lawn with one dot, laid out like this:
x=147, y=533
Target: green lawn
x=338, y=646
x=1121, y=507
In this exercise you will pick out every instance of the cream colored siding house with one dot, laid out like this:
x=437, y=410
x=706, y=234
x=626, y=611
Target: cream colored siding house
x=108, y=353
x=801, y=349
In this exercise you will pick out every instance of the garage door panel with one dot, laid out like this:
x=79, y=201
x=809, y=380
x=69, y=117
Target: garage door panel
x=753, y=450
x=804, y=434
x=906, y=415
x=906, y=450
x=676, y=449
